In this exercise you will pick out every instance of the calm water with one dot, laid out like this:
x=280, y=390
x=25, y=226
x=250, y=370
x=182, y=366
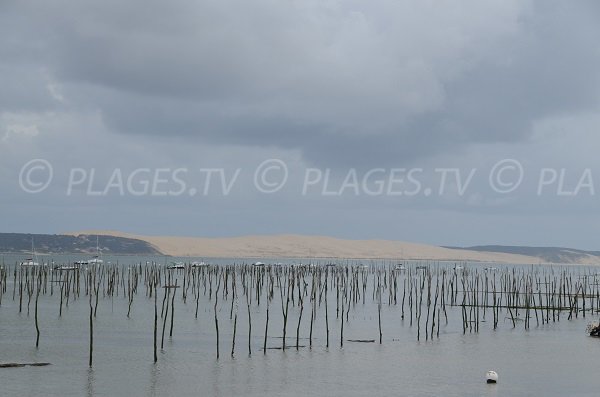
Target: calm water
x=551, y=360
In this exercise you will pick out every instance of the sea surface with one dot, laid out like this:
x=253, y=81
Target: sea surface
x=556, y=359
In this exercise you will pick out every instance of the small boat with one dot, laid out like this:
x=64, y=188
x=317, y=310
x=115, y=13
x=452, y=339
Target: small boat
x=258, y=264
x=29, y=262
x=199, y=264
x=491, y=377
x=66, y=268
x=32, y=261
x=176, y=265
x=421, y=268
x=400, y=267
x=95, y=259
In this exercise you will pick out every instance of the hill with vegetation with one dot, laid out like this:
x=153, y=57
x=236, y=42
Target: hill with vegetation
x=82, y=243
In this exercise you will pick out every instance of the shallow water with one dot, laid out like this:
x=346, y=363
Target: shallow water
x=557, y=359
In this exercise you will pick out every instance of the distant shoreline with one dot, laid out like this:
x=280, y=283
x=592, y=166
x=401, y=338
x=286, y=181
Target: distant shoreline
x=273, y=247
x=314, y=247
x=266, y=258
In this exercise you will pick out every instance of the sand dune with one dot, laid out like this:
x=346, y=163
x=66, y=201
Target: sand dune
x=299, y=246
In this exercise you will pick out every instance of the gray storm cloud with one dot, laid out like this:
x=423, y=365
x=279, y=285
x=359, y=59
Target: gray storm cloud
x=417, y=76
x=318, y=83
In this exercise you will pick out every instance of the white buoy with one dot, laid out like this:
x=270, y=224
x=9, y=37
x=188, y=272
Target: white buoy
x=491, y=377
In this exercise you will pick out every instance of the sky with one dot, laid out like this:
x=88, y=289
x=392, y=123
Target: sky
x=443, y=122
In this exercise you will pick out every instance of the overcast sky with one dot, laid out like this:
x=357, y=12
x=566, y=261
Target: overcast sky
x=443, y=122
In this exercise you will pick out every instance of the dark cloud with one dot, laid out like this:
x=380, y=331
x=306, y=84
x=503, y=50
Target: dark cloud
x=340, y=83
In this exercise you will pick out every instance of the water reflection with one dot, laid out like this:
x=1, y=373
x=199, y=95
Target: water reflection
x=91, y=380
x=154, y=373
x=491, y=390
x=217, y=370
x=453, y=365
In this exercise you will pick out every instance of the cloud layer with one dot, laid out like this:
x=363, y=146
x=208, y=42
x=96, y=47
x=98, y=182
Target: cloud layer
x=334, y=84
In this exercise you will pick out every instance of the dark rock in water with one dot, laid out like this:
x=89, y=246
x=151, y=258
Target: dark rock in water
x=593, y=329
x=361, y=340
x=19, y=365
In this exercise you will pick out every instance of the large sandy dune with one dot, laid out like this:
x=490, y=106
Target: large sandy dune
x=298, y=246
